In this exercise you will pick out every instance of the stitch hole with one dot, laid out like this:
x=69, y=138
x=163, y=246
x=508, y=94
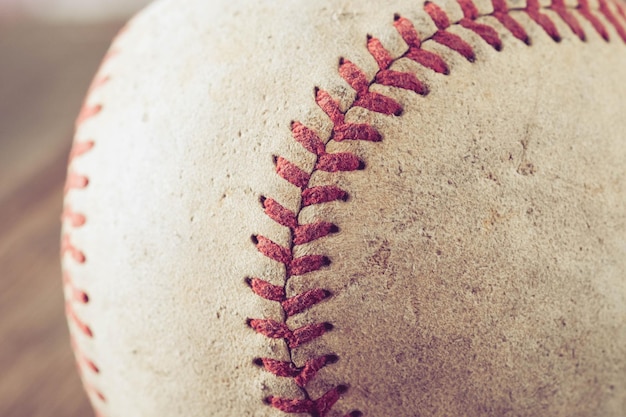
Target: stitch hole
x=262, y=200
x=258, y=362
x=396, y=17
x=248, y=281
x=355, y=413
x=361, y=166
x=342, y=389
x=330, y=359
x=249, y=322
x=254, y=239
x=275, y=159
x=326, y=261
x=328, y=326
x=268, y=400
x=334, y=229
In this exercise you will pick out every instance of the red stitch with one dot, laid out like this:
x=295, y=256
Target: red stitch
x=501, y=13
x=302, y=376
x=69, y=248
x=301, y=302
x=489, y=34
x=343, y=130
x=329, y=106
x=608, y=14
x=275, y=330
x=405, y=80
x=377, y=50
x=69, y=311
x=271, y=328
x=272, y=250
x=322, y=194
x=75, y=219
x=97, y=393
x=533, y=10
x=75, y=181
x=621, y=9
x=77, y=295
x=367, y=99
x=266, y=290
x=334, y=162
x=86, y=113
x=82, y=359
x=97, y=83
x=308, y=138
x=307, y=263
x=354, y=131
x=407, y=31
x=80, y=148
x=455, y=43
x=425, y=58
x=450, y=40
x=278, y=368
x=311, y=367
x=279, y=214
x=307, y=333
x=309, y=232
x=561, y=9
x=317, y=408
x=585, y=11
x=354, y=76
x=291, y=172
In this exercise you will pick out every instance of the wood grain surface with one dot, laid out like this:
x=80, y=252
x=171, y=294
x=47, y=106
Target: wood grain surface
x=44, y=73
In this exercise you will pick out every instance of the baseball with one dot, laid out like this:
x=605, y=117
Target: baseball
x=341, y=208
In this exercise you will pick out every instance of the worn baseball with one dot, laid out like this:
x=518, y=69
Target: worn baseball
x=353, y=208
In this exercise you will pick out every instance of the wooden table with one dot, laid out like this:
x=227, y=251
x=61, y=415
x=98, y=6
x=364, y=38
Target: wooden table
x=44, y=72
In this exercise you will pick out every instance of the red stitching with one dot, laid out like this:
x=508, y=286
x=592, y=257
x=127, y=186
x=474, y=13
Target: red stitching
x=75, y=294
x=81, y=359
x=309, y=232
x=301, y=375
x=533, y=11
x=585, y=11
x=74, y=219
x=84, y=328
x=342, y=130
x=67, y=247
x=316, y=408
x=291, y=172
x=80, y=148
x=75, y=181
x=470, y=13
x=608, y=14
x=501, y=12
x=87, y=112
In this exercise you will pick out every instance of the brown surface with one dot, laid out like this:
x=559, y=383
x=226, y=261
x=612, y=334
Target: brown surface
x=44, y=72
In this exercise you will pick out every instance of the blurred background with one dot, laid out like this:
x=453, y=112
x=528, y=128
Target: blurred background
x=49, y=51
